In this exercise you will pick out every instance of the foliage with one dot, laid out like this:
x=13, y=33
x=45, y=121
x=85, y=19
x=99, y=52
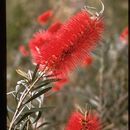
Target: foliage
x=29, y=96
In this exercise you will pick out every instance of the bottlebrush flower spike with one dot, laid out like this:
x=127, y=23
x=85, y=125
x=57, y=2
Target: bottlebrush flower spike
x=77, y=121
x=44, y=17
x=72, y=42
x=68, y=47
x=23, y=51
x=124, y=36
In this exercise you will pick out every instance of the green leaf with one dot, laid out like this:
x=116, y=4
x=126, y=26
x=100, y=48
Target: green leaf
x=23, y=117
x=41, y=109
x=22, y=73
x=46, y=82
x=19, y=89
x=31, y=111
x=35, y=71
x=24, y=125
x=38, y=94
x=37, y=117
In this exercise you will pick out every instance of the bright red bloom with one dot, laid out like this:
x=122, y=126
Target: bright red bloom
x=72, y=42
x=23, y=51
x=55, y=27
x=44, y=17
x=36, y=43
x=78, y=121
x=124, y=36
x=69, y=46
x=41, y=38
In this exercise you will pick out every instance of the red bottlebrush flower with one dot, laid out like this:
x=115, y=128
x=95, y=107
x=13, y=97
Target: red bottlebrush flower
x=36, y=43
x=44, y=17
x=41, y=38
x=69, y=46
x=124, y=36
x=72, y=42
x=23, y=51
x=55, y=27
x=78, y=121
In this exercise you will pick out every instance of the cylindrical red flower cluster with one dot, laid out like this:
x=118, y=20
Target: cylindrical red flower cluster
x=77, y=121
x=69, y=45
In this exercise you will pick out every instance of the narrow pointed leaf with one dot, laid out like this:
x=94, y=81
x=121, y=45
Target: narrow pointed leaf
x=41, y=109
x=19, y=89
x=22, y=73
x=23, y=117
x=24, y=125
x=38, y=94
x=31, y=111
x=35, y=71
x=37, y=117
x=46, y=82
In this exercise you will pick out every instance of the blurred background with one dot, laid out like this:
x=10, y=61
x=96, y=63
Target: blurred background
x=102, y=84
